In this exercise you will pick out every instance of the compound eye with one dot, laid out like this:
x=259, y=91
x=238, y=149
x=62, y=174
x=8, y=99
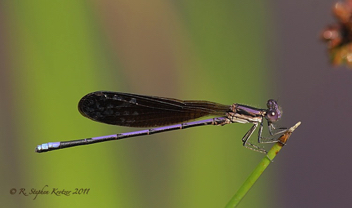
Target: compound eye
x=272, y=116
x=272, y=104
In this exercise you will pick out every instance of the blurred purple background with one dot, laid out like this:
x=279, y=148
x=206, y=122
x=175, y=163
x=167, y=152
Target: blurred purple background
x=316, y=171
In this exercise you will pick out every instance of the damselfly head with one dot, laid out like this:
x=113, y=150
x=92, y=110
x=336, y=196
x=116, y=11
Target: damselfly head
x=274, y=111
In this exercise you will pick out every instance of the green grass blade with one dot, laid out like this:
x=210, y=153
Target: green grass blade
x=260, y=168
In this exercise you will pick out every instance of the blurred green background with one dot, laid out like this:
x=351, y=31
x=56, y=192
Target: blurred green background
x=55, y=52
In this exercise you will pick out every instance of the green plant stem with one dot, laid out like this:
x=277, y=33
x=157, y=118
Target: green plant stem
x=260, y=168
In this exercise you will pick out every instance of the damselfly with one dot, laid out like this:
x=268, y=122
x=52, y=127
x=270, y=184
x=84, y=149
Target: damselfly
x=124, y=109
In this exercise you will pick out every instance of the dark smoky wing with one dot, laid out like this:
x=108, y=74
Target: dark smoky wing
x=126, y=109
